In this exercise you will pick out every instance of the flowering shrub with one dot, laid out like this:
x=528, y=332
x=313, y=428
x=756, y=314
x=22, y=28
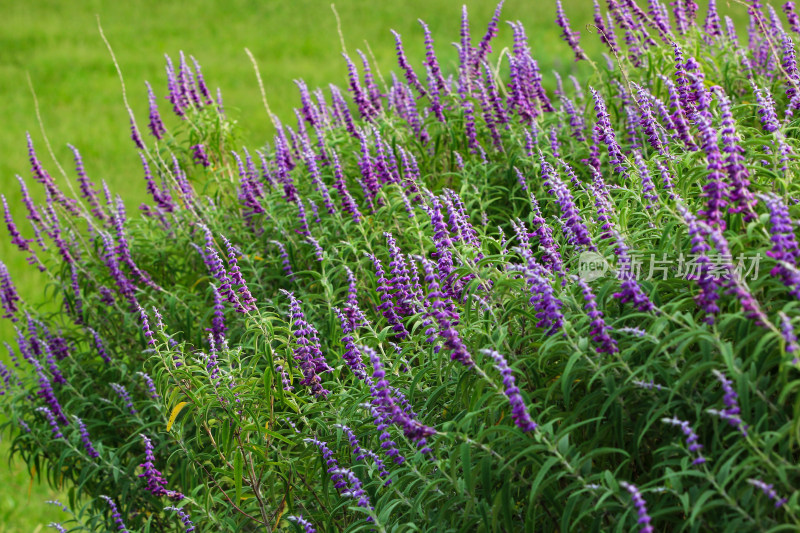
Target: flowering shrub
x=459, y=301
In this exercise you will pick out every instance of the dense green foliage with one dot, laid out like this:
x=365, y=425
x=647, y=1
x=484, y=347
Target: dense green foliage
x=425, y=297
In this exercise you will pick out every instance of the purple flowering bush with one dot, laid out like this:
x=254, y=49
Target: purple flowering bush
x=383, y=320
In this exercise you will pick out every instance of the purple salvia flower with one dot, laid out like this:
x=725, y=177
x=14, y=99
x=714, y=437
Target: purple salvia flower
x=361, y=453
x=715, y=189
x=199, y=155
x=519, y=411
x=647, y=122
x=316, y=179
x=359, y=96
x=285, y=263
x=307, y=353
x=606, y=132
x=287, y=385
x=691, y=438
x=135, y=136
x=739, y=193
x=707, y=299
x=732, y=411
x=184, y=517
x=766, y=109
x=571, y=37
x=218, y=327
x=155, y=124
x=387, y=306
x=552, y=257
x=679, y=115
x=440, y=309
x=115, y=514
x=730, y=33
x=600, y=330
x=156, y=484
x=201, y=84
x=543, y=299
x=245, y=302
x=307, y=526
x=355, y=316
x=411, y=76
x=576, y=122
x=469, y=125
x=51, y=419
x=99, y=346
x=41, y=175
x=785, y=249
x=161, y=197
x=631, y=291
x=713, y=24
x=352, y=355
x=148, y=333
x=465, y=55
x=123, y=394
x=648, y=188
x=385, y=403
x=400, y=281
x=641, y=507
x=58, y=527
x=791, y=16
x=373, y=92
x=87, y=442
x=151, y=387
x=769, y=490
x=789, y=337
x=8, y=294
x=319, y=253
x=301, y=214
x=576, y=231
x=86, y=186
x=607, y=35
x=485, y=47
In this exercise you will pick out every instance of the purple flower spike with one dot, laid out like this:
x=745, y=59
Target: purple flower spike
x=285, y=263
x=641, y=507
x=791, y=16
x=307, y=526
x=543, y=299
x=156, y=484
x=769, y=490
x=691, y=438
x=148, y=333
x=245, y=301
x=156, y=125
x=184, y=517
x=151, y=387
x=519, y=411
x=785, y=249
x=8, y=294
x=115, y=514
x=600, y=329
x=384, y=402
x=123, y=394
x=51, y=419
x=571, y=37
x=308, y=353
x=87, y=442
x=789, y=337
x=387, y=306
x=345, y=481
x=732, y=411
x=631, y=291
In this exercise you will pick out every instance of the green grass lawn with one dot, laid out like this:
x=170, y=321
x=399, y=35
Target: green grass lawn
x=58, y=46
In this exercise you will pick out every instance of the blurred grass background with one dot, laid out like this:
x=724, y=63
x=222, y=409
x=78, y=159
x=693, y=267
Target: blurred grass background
x=57, y=44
